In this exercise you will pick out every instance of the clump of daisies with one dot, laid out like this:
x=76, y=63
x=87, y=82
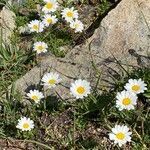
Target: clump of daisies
x=36, y=26
x=77, y=25
x=50, y=6
x=127, y=99
x=35, y=95
x=49, y=17
x=71, y=16
x=80, y=89
x=120, y=135
x=51, y=79
x=25, y=124
x=136, y=86
x=40, y=47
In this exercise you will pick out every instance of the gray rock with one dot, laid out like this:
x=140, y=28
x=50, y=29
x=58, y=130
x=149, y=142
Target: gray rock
x=7, y=24
x=123, y=29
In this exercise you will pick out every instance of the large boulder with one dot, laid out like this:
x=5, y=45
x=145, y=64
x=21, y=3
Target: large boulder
x=123, y=35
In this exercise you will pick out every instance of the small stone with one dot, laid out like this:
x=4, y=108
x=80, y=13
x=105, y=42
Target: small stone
x=7, y=23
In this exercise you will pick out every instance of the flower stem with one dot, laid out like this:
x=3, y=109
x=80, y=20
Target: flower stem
x=145, y=147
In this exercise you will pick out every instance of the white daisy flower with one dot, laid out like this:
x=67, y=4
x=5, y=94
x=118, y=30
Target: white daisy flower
x=50, y=6
x=77, y=25
x=80, y=88
x=126, y=100
x=49, y=19
x=120, y=134
x=25, y=124
x=40, y=47
x=35, y=95
x=69, y=14
x=51, y=79
x=36, y=26
x=136, y=86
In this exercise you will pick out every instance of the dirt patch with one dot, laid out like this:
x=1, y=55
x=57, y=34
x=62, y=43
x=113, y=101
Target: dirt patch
x=14, y=145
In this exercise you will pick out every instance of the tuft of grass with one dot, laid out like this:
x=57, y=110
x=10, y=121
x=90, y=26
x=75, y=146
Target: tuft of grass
x=13, y=63
x=104, y=6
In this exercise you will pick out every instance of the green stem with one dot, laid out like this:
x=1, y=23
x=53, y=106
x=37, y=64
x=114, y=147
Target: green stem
x=74, y=127
x=140, y=138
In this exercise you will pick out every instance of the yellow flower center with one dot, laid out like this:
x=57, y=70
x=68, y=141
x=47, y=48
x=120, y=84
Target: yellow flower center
x=49, y=5
x=126, y=101
x=49, y=20
x=35, y=27
x=25, y=125
x=40, y=47
x=120, y=136
x=135, y=87
x=70, y=14
x=76, y=25
x=52, y=81
x=80, y=90
x=34, y=97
